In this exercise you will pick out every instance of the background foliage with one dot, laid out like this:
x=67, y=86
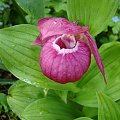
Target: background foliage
x=33, y=96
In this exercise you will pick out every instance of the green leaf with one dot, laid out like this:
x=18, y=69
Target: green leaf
x=2, y=65
x=3, y=102
x=21, y=94
x=93, y=80
x=113, y=89
x=35, y=8
x=90, y=111
x=83, y=118
x=107, y=109
x=118, y=102
x=22, y=58
x=93, y=13
x=58, y=5
x=48, y=109
x=62, y=95
x=86, y=98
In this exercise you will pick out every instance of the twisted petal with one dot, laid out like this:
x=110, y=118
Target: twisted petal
x=96, y=54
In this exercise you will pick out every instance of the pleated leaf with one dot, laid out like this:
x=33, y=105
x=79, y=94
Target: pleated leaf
x=22, y=58
x=86, y=98
x=107, y=109
x=93, y=13
x=49, y=109
x=21, y=94
x=93, y=80
x=113, y=90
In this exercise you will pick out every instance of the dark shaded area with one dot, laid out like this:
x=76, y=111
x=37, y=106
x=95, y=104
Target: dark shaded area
x=6, y=76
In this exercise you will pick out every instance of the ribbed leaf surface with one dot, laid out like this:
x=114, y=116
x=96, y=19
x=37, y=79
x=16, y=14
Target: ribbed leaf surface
x=107, y=109
x=21, y=94
x=94, y=13
x=49, y=109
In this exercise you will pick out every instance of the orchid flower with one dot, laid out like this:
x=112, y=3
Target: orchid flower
x=67, y=47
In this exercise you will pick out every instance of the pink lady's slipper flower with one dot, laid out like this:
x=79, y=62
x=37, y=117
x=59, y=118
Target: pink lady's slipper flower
x=67, y=48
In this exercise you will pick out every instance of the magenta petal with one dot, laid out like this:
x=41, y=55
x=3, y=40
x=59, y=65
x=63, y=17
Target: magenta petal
x=57, y=26
x=96, y=54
